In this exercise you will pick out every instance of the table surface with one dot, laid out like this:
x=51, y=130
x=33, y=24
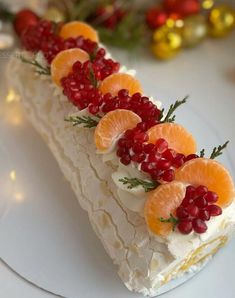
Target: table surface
x=207, y=74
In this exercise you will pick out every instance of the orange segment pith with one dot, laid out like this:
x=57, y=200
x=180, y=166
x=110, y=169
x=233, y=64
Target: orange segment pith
x=212, y=174
x=112, y=125
x=117, y=81
x=76, y=28
x=161, y=203
x=62, y=64
x=176, y=135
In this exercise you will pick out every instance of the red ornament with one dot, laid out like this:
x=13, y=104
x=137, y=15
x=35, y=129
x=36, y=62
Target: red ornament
x=24, y=19
x=182, y=7
x=156, y=17
x=110, y=16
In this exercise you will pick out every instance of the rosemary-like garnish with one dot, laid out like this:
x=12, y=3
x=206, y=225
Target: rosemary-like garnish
x=87, y=121
x=135, y=182
x=170, y=117
x=171, y=220
x=217, y=151
x=39, y=68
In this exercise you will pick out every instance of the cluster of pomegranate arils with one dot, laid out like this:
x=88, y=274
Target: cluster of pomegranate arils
x=157, y=160
x=198, y=206
x=42, y=37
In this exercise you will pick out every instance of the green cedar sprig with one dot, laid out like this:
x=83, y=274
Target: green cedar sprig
x=170, y=117
x=87, y=121
x=5, y=14
x=135, y=182
x=39, y=68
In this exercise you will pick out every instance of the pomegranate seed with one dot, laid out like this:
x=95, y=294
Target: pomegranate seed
x=199, y=226
x=121, y=151
x=146, y=167
x=154, y=157
x=148, y=148
x=138, y=157
x=204, y=215
x=141, y=137
x=181, y=212
x=179, y=160
x=125, y=159
x=161, y=145
x=211, y=197
x=214, y=210
x=163, y=164
x=123, y=93
x=155, y=174
x=185, y=226
x=201, y=190
x=191, y=156
x=137, y=148
x=142, y=126
x=186, y=202
x=200, y=202
x=190, y=191
x=168, y=175
x=93, y=109
x=193, y=210
x=169, y=154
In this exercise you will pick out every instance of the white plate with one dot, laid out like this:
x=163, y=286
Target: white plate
x=44, y=234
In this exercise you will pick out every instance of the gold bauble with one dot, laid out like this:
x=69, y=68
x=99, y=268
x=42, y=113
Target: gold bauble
x=167, y=42
x=194, y=30
x=54, y=14
x=221, y=20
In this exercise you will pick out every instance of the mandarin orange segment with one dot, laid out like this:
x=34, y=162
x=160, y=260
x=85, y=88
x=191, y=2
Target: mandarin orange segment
x=161, y=203
x=76, y=29
x=177, y=136
x=112, y=125
x=117, y=81
x=62, y=64
x=212, y=174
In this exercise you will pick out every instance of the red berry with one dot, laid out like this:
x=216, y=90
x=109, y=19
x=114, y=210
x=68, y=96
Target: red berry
x=168, y=175
x=190, y=192
x=148, y=148
x=201, y=190
x=211, y=197
x=191, y=156
x=179, y=160
x=156, y=17
x=214, y=210
x=199, y=226
x=161, y=145
x=185, y=226
x=200, y=202
x=181, y=212
x=125, y=159
x=193, y=210
x=139, y=157
x=137, y=148
x=24, y=19
x=163, y=164
x=204, y=215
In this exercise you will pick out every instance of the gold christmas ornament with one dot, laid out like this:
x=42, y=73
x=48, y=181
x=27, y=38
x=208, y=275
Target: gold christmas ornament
x=221, y=20
x=167, y=42
x=194, y=30
x=54, y=14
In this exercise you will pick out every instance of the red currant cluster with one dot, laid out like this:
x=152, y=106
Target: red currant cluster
x=197, y=207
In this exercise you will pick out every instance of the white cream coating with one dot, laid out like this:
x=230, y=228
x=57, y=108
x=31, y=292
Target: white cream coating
x=143, y=259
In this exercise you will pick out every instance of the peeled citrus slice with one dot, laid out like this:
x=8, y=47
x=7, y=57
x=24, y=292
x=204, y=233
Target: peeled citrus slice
x=76, y=28
x=112, y=125
x=212, y=174
x=117, y=81
x=177, y=136
x=161, y=203
x=62, y=64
